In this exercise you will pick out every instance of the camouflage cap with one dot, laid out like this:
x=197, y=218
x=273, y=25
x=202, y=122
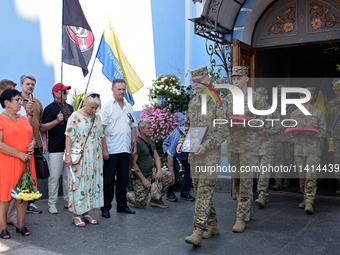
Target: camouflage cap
x=199, y=73
x=239, y=70
x=336, y=84
x=310, y=89
x=262, y=91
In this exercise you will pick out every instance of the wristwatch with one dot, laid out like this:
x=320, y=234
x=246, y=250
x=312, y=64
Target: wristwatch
x=67, y=153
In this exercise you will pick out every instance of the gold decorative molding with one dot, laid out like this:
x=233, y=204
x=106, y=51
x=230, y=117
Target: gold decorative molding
x=267, y=13
x=256, y=45
x=329, y=37
x=302, y=40
x=276, y=43
x=322, y=19
x=302, y=16
x=338, y=1
x=285, y=23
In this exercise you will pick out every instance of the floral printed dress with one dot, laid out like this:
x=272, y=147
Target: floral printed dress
x=87, y=192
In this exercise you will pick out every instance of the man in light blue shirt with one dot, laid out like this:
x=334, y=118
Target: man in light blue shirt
x=169, y=149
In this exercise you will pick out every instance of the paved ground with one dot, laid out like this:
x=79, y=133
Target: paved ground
x=279, y=228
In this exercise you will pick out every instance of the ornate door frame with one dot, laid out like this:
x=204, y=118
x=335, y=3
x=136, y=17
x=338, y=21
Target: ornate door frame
x=288, y=22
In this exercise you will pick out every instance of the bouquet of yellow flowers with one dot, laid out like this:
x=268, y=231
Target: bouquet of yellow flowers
x=25, y=189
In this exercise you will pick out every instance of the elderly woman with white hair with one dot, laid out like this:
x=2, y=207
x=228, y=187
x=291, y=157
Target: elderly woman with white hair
x=84, y=131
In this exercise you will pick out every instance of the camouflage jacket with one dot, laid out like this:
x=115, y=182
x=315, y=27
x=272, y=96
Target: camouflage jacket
x=305, y=143
x=282, y=137
x=244, y=139
x=267, y=140
x=333, y=109
x=214, y=136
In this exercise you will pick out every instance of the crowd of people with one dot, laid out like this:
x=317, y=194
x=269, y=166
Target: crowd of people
x=110, y=149
x=107, y=139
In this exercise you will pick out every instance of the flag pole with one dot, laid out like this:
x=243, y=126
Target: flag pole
x=62, y=59
x=88, y=82
x=82, y=102
x=61, y=80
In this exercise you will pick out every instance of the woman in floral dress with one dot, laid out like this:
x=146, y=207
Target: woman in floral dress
x=87, y=192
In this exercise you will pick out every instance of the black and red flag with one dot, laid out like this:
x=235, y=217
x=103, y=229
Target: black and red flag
x=78, y=38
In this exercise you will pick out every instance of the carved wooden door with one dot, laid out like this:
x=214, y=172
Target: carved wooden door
x=245, y=55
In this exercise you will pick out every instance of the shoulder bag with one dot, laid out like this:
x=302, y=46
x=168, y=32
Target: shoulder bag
x=77, y=154
x=41, y=166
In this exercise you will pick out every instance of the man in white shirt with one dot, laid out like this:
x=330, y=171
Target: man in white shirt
x=119, y=125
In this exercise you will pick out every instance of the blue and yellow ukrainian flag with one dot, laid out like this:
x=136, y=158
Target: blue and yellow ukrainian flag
x=115, y=64
x=324, y=96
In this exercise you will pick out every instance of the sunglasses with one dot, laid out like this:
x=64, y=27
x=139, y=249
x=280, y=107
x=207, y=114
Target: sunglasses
x=130, y=117
x=150, y=150
x=19, y=100
x=64, y=92
x=94, y=95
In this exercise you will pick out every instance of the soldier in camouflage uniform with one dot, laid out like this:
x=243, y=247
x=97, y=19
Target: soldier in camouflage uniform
x=322, y=139
x=266, y=151
x=333, y=109
x=242, y=147
x=207, y=154
x=284, y=150
x=307, y=150
x=143, y=162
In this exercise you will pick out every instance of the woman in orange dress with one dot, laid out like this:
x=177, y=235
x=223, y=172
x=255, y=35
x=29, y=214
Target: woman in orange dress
x=16, y=147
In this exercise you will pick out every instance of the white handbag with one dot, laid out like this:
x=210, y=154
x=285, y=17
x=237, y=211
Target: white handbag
x=76, y=155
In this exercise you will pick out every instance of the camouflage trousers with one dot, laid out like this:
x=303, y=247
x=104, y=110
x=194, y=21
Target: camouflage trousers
x=336, y=156
x=263, y=178
x=243, y=182
x=284, y=155
x=308, y=179
x=205, y=212
x=139, y=197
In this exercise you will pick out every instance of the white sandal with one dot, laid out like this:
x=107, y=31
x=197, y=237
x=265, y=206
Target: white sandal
x=79, y=223
x=91, y=221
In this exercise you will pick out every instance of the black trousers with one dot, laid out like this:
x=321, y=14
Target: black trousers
x=117, y=163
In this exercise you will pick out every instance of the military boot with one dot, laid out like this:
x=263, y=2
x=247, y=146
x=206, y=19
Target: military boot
x=260, y=201
x=212, y=230
x=309, y=208
x=303, y=204
x=195, y=238
x=239, y=226
x=285, y=183
x=277, y=186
